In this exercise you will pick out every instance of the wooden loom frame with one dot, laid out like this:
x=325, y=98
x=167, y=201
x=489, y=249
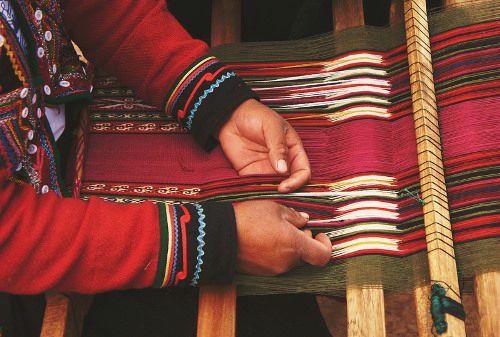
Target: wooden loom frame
x=365, y=305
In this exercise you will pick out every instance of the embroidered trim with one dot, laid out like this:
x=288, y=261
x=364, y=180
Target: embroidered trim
x=171, y=220
x=201, y=244
x=185, y=79
x=164, y=245
x=208, y=91
x=174, y=247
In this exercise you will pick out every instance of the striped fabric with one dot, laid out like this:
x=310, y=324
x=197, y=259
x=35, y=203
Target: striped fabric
x=348, y=96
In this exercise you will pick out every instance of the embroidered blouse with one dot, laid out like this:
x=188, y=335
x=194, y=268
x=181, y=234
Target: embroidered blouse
x=53, y=243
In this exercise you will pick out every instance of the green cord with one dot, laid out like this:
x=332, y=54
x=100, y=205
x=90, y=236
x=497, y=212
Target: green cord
x=441, y=305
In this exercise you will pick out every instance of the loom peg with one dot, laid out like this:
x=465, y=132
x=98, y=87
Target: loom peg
x=487, y=291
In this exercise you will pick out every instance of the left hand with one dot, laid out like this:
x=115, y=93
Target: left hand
x=256, y=140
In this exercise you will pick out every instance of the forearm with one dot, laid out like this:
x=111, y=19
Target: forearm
x=48, y=243
x=141, y=43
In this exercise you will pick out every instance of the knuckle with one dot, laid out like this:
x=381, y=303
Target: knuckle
x=281, y=149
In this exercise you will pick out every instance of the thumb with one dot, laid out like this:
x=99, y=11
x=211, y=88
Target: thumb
x=275, y=137
x=317, y=251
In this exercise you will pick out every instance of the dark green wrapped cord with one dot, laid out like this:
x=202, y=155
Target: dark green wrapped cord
x=441, y=305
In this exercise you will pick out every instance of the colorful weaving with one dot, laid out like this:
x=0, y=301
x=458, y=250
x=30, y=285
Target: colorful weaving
x=347, y=95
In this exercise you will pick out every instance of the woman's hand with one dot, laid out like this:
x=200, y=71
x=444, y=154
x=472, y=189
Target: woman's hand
x=270, y=241
x=256, y=140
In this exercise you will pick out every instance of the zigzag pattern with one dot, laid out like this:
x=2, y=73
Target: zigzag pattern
x=201, y=244
x=205, y=94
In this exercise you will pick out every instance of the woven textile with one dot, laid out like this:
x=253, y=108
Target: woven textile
x=348, y=96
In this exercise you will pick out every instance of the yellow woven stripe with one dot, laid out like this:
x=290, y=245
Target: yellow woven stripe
x=168, y=269
x=179, y=83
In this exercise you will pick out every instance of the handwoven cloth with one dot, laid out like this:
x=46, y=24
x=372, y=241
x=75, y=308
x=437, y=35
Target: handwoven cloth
x=347, y=94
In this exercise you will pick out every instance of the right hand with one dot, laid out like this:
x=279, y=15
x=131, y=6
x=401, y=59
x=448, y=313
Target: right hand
x=270, y=241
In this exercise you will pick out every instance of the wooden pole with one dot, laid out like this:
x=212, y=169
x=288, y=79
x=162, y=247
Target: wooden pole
x=440, y=251
x=226, y=22
x=347, y=14
x=217, y=304
x=365, y=312
x=396, y=11
x=487, y=289
x=56, y=317
x=217, y=311
x=365, y=305
x=422, y=295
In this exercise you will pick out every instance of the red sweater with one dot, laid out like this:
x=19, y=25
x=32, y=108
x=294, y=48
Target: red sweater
x=49, y=243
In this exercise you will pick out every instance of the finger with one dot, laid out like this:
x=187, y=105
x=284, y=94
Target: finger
x=298, y=219
x=300, y=170
x=316, y=252
x=308, y=232
x=324, y=239
x=275, y=136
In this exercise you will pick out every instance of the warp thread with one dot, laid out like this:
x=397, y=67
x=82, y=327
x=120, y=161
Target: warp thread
x=441, y=305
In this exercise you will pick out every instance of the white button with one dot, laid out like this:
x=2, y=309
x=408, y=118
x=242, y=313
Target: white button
x=47, y=90
x=38, y=15
x=54, y=68
x=39, y=113
x=40, y=52
x=45, y=189
x=31, y=134
x=64, y=84
x=32, y=148
x=2, y=40
x=33, y=99
x=48, y=35
x=24, y=92
x=24, y=113
x=19, y=167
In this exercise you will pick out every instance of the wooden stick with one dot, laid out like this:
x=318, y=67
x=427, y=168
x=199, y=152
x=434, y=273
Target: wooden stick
x=217, y=304
x=440, y=251
x=365, y=305
x=217, y=311
x=396, y=12
x=365, y=312
x=226, y=22
x=487, y=290
x=347, y=14
x=422, y=295
x=56, y=317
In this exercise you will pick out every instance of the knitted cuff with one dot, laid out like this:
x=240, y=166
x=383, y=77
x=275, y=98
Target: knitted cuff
x=197, y=244
x=204, y=97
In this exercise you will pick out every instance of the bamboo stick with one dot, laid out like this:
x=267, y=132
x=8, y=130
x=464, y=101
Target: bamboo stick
x=440, y=251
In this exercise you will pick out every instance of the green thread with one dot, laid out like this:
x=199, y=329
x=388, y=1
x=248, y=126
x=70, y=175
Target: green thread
x=441, y=305
x=412, y=195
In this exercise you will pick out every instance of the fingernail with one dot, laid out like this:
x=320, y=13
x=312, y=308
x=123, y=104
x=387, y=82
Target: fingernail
x=282, y=165
x=304, y=215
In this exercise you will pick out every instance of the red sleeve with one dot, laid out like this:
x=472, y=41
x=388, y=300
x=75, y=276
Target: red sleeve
x=141, y=43
x=48, y=243
x=137, y=40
